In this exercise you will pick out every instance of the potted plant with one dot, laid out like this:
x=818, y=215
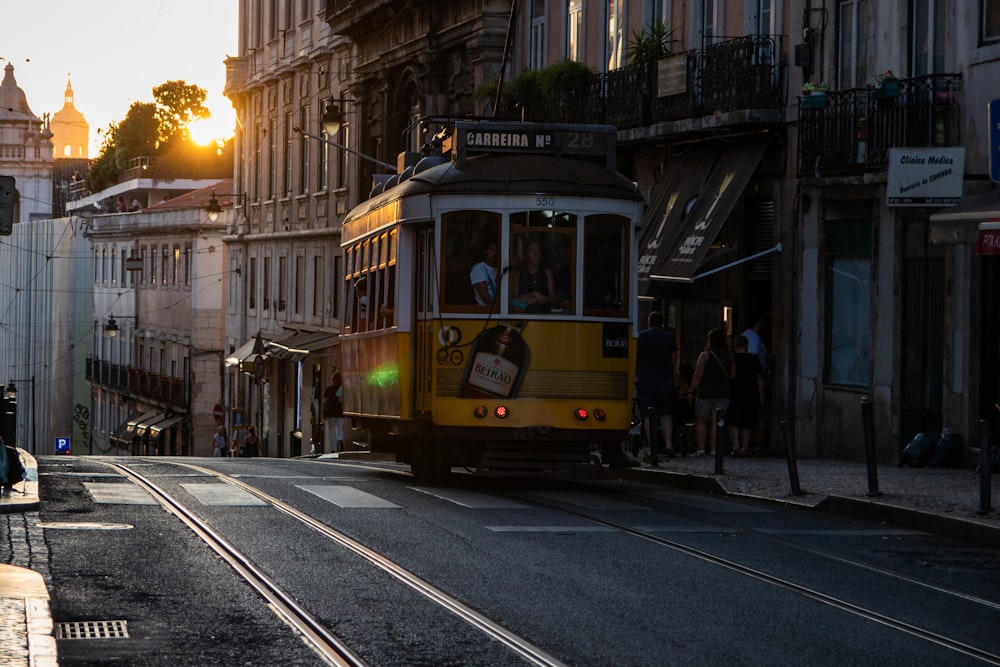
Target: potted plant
x=885, y=84
x=813, y=95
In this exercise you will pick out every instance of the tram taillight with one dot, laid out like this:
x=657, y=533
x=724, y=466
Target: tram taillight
x=581, y=414
x=501, y=412
x=600, y=415
x=480, y=412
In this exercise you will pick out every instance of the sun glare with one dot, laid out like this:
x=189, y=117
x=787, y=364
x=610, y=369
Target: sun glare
x=216, y=128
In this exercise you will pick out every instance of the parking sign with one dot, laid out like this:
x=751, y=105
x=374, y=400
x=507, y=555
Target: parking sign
x=62, y=446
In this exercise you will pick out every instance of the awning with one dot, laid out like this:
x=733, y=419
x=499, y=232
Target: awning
x=155, y=429
x=988, y=241
x=689, y=227
x=969, y=223
x=147, y=421
x=126, y=431
x=241, y=353
x=298, y=345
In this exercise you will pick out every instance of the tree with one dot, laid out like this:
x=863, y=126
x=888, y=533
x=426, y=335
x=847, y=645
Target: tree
x=177, y=104
x=543, y=94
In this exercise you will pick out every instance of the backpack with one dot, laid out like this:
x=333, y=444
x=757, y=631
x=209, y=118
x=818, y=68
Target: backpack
x=15, y=469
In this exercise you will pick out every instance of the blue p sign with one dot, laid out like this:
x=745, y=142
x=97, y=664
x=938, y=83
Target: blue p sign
x=62, y=445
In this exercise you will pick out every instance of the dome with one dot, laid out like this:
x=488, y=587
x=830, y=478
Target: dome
x=13, y=103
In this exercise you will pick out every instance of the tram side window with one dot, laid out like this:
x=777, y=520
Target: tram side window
x=469, y=274
x=543, y=262
x=605, y=249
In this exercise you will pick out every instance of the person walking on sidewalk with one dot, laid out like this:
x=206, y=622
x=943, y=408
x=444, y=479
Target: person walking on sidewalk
x=219, y=442
x=656, y=376
x=712, y=375
x=746, y=399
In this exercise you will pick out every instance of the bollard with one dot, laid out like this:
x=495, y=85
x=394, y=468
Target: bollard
x=985, y=468
x=869, y=423
x=720, y=436
x=654, y=438
x=793, y=466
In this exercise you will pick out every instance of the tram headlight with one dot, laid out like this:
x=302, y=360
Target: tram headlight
x=501, y=412
x=581, y=414
x=600, y=415
x=480, y=412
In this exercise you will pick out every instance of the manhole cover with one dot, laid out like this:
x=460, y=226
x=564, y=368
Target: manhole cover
x=92, y=630
x=85, y=525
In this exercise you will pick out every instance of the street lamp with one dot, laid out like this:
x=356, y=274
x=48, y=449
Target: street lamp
x=213, y=209
x=332, y=119
x=111, y=328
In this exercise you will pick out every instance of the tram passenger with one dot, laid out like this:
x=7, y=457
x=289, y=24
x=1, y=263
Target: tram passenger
x=483, y=276
x=534, y=286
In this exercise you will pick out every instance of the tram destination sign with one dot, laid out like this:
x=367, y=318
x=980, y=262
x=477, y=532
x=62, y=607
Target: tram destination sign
x=526, y=138
x=925, y=176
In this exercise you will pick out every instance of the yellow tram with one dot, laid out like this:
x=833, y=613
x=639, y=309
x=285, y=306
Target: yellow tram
x=491, y=299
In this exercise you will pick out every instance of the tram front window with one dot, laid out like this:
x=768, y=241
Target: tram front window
x=543, y=262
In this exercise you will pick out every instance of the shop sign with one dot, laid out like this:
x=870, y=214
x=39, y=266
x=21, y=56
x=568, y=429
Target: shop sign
x=925, y=176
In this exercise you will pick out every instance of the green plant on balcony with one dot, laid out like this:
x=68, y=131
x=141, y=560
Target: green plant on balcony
x=810, y=87
x=649, y=44
x=537, y=92
x=885, y=84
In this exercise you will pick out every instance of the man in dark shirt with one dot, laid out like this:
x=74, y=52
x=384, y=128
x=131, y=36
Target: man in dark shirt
x=656, y=376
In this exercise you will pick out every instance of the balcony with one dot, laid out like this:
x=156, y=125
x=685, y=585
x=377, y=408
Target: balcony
x=169, y=391
x=853, y=132
x=737, y=75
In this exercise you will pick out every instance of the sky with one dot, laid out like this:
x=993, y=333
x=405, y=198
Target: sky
x=116, y=51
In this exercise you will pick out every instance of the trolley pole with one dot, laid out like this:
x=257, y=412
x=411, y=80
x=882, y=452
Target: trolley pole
x=654, y=438
x=720, y=436
x=869, y=422
x=790, y=455
x=985, y=469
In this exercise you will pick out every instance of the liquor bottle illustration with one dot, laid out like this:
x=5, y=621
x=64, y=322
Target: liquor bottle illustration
x=497, y=362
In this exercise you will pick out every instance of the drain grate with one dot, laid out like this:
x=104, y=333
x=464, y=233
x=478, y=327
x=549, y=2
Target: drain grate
x=92, y=630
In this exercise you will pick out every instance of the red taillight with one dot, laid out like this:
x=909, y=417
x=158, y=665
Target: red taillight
x=480, y=412
x=581, y=414
x=600, y=415
x=501, y=412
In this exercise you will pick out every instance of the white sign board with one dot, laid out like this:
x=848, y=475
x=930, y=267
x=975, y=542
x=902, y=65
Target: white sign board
x=925, y=176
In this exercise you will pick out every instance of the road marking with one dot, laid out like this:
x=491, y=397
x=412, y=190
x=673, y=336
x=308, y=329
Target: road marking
x=552, y=529
x=589, y=501
x=708, y=504
x=347, y=496
x=118, y=493
x=222, y=494
x=832, y=532
x=470, y=499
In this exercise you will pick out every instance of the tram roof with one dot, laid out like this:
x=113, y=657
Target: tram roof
x=506, y=174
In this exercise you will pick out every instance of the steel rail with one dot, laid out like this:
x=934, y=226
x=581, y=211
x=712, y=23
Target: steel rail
x=328, y=646
x=818, y=596
x=533, y=654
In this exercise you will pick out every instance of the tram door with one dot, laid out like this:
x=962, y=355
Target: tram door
x=426, y=274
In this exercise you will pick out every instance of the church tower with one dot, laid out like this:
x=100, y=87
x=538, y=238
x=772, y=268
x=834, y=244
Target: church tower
x=27, y=151
x=70, y=130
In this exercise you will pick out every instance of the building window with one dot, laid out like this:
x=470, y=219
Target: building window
x=304, y=152
x=928, y=36
x=616, y=34
x=251, y=290
x=266, y=283
x=282, y=282
x=991, y=20
x=176, y=266
x=710, y=21
x=853, y=22
x=300, y=284
x=272, y=156
x=145, y=265
x=187, y=265
x=318, y=284
x=287, y=185
x=537, y=54
x=97, y=265
x=574, y=31
x=164, y=265
x=104, y=265
x=848, y=301
x=152, y=265
x=114, y=265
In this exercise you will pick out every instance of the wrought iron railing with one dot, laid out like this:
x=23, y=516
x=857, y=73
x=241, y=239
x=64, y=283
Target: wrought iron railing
x=853, y=131
x=741, y=73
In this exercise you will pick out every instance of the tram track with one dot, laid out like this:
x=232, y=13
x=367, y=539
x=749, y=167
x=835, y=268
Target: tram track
x=332, y=649
x=805, y=591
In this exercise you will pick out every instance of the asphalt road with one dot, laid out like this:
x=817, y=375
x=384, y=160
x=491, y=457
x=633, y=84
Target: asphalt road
x=607, y=573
